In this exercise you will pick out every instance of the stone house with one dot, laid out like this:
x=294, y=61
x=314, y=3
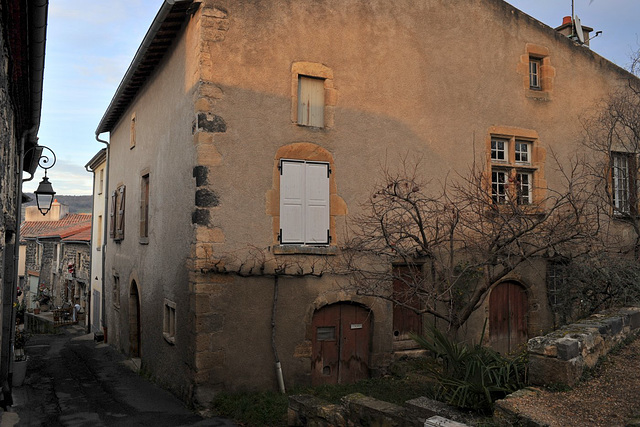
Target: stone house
x=23, y=27
x=245, y=135
x=98, y=166
x=57, y=257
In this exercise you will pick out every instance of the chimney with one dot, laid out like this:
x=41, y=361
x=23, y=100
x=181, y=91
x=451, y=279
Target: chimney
x=567, y=29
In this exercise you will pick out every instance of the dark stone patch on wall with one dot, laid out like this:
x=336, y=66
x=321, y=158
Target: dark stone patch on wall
x=200, y=217
x=206, y=198
x=209, y=123
x=200, y=173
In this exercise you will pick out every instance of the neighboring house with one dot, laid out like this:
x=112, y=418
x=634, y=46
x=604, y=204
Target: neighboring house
x=57, y=258
x=23, y=26
x=245, y=135
x=97, y=165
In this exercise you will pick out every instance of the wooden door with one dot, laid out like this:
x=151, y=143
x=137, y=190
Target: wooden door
x=340, y=344
x=508, y=306
x=405, y=320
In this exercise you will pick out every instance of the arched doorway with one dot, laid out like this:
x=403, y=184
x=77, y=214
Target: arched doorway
x=134, y=321
x=508, y=312
x=340, y=344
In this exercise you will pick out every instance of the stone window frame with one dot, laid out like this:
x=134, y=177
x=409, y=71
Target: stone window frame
x=628, y=175
x=318, y=71
x=534, y=166
x=337, y=207
x=546, y=72
x=169, y=322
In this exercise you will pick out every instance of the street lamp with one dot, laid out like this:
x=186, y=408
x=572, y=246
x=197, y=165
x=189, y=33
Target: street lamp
x=44, y=193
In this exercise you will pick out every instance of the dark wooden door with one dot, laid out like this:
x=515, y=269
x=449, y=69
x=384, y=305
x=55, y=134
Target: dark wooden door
x=340, y=344
x=405, y=320
x=508, y=305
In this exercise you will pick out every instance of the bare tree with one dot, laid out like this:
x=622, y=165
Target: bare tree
x=458, y=239
x=613, y=142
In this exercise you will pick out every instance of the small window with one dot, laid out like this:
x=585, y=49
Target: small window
x=523, y=152
x=326, y=333
x=132, y=136
x=101, y=185
x=534, y=73
x=310, y=101
x=499, y=150
x=144, y=208
x=169, y=323
x=499, y=186
x=99, y=233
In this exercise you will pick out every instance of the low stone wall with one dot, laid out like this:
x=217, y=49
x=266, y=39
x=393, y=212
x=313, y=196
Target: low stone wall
x=37, y=324
x=360, y=410
x=561, y=356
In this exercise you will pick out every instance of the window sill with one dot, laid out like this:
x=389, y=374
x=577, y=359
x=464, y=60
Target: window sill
x=171, y=340
x=538, y=95
x=304, y=250
x=144, y=240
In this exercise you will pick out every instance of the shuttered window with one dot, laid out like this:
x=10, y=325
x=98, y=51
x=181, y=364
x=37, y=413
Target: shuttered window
x=116, y=220
x=310, y=101
x=304, y=202
x=144, y=207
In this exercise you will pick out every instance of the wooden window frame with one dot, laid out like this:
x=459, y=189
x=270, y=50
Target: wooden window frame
x=535, y=75
x=623, y=200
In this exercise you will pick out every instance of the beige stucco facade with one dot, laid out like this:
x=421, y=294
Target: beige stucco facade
x=210, y=124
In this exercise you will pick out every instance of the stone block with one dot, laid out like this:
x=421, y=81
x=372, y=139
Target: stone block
x=209, y=359
x=206, y=198
x=614, y=324
x=201, y=174
x=208, y=155
x=201, y=217
x=550, y=370
x=209, y=235
x=210, y=123
x=207, y=323
x=568, y=348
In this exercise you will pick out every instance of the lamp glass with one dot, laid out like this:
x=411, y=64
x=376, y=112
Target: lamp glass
x=44, y=195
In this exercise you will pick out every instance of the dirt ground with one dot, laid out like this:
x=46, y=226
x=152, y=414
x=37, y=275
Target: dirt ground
x=610, y=397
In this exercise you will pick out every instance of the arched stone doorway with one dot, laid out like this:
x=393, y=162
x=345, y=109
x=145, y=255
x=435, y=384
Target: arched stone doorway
x=134, y=320
x=340, y=344
x=508, y=315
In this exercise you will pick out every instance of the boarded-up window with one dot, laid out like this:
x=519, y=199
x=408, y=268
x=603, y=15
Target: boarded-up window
x=304, y=202
x=144, y=207
x=116, y=226
x=310, y=101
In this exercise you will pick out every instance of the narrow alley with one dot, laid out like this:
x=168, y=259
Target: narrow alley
x=74, y=381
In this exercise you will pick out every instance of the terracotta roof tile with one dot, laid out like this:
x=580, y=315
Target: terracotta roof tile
x=72, y=223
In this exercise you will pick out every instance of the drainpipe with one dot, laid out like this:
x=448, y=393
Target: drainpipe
x=273, y=336
x=88, y=316
x=104, y=235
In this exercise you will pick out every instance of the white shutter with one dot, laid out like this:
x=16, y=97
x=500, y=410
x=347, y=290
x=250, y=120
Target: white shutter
x=317, y=203
x=292, y=201
x=310, y=101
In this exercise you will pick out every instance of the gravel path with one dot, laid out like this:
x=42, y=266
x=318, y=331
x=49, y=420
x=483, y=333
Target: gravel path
x=611, y=397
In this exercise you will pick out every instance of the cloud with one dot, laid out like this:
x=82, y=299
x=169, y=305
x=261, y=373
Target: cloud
x=67, y=179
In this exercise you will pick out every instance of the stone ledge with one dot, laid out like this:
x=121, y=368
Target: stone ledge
x=562, y=355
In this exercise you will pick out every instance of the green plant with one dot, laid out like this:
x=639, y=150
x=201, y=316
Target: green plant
x=472, y=377
x=19, y=343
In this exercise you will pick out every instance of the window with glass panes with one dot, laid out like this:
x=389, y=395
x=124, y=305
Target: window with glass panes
x=512, y=170
x=622, y=182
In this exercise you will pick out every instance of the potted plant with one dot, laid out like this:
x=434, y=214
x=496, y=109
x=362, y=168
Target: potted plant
x=20, y=358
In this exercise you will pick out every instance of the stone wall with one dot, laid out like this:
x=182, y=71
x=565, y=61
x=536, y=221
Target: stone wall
x=563, y=355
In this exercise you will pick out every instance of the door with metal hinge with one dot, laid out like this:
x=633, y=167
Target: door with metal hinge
x=340, y=344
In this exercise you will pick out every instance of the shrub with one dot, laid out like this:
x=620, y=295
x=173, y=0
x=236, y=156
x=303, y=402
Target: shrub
x=472, y=377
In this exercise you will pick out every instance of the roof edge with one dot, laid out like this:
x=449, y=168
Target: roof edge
x=162, y=14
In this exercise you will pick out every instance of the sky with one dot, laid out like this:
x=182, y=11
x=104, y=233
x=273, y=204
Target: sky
x=90, y=45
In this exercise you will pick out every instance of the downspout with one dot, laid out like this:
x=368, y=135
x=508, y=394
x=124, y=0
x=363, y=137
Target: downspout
x=90, y=256
x=104, y=236
x=273, y=336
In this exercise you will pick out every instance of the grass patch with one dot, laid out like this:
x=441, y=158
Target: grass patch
x=270, y=408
